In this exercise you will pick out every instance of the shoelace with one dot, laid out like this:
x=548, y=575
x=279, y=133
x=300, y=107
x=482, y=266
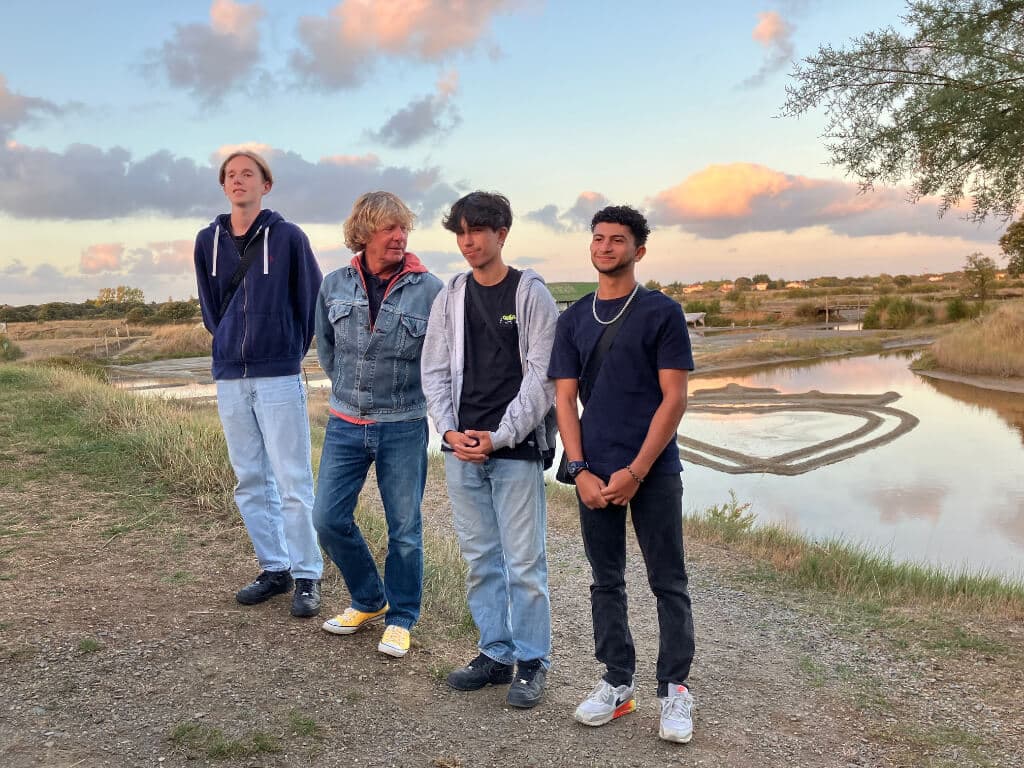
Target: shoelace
x=677, y=706
x=392, y=635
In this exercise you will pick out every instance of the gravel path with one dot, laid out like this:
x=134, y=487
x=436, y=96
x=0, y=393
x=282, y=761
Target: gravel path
x=130, y=651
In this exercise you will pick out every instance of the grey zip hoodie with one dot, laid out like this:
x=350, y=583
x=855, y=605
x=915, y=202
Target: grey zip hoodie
x=444, y=360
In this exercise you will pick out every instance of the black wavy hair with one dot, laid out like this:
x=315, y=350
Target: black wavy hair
x=479, y=209
x=627, y=217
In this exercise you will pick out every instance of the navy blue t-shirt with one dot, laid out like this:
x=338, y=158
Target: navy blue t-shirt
x=627, y=392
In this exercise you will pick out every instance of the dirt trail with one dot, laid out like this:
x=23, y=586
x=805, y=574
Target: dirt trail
x=128, y=650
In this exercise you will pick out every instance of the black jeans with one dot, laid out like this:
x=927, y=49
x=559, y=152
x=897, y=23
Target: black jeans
x=657, y=511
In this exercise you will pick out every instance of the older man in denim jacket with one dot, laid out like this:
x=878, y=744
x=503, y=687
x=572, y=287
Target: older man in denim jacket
x=371, y=318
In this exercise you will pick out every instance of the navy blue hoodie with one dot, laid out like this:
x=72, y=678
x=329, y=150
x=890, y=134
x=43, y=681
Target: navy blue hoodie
x=269, y=322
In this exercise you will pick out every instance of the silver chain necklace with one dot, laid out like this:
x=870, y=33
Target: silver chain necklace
x=593, y=307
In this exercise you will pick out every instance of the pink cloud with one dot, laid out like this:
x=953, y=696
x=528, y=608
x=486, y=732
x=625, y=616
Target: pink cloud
x=163, y=258
x=102, y=257
x=340, y=50
x=770, y=29
x=231, y=18
x=724, y=191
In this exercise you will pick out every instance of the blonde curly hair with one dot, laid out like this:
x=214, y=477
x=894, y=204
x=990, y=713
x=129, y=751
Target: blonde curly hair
x=372, y=211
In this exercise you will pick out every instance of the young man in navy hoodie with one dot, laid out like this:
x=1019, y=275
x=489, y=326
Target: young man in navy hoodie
x=258, y=283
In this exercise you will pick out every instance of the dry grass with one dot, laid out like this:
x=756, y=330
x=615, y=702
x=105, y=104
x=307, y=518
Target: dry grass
x=990, y=346
x=172, y=341
x=777, y=349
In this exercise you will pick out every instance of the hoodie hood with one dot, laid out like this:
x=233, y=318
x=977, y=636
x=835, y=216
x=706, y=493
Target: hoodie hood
x=264, y=221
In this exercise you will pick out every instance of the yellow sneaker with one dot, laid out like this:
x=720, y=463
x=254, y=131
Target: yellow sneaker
x=395, y=641
x=352, y=620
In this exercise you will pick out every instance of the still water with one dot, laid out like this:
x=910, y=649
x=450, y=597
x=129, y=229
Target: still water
x=949, y=492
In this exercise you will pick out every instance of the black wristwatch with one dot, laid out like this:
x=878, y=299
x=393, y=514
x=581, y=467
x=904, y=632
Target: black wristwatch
x=575, y=467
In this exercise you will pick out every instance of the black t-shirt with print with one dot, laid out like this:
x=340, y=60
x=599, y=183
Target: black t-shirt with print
x=493, y=370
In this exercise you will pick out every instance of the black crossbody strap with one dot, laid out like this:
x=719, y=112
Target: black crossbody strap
x=236, y=279
x=593, y=367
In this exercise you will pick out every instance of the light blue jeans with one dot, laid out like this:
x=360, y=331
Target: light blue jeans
x=399, y=450
x=266, y=426
x=500, y=516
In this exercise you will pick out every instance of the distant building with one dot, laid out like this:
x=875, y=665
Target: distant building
x=567, y=294
x=796, y=284
x=936, y=278
x=694, y=288
x=725, y=287
x=760, y=286
x=1000, y=275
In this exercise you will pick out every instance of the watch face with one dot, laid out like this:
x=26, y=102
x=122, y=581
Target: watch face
x=575, y=467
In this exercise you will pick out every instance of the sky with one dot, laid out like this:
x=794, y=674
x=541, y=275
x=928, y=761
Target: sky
x=115, y=117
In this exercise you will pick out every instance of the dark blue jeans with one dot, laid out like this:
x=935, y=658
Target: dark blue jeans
x=657, y=512
x=400, y=452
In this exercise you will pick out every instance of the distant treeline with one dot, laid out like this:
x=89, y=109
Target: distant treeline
x=133, y=312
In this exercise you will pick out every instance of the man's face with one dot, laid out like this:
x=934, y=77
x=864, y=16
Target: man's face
x=244, y=184
x=480, y=246
x=386, y=248
x=613, y=248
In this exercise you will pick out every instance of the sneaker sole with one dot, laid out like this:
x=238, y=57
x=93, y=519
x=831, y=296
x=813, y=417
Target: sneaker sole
x=390, y=650
x=674, y=738
x=335, y=629
x=257, y=601
x=619, y=711
x=467, y=688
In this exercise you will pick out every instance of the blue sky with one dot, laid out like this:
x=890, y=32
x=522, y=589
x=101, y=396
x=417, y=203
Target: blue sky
x=114, y=117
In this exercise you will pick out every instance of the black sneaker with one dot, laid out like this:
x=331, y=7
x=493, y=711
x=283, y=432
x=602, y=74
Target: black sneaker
x=267, y=584
x=481, y=671
x=306, y=600
x=528, y=686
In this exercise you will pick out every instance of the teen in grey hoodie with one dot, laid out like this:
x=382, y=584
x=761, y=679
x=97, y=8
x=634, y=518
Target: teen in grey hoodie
x=484, y=374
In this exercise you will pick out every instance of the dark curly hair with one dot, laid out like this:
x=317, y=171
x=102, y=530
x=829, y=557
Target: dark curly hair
x=627, y=217
x=479, y=209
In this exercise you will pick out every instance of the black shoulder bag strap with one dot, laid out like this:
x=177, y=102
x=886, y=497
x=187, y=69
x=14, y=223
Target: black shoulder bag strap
x=593, y=367
x=236, y=279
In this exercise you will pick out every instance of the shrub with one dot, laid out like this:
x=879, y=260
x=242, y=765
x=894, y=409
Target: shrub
x=807, y=310
x=892, y=312
x=8, y=349
x=957, y=309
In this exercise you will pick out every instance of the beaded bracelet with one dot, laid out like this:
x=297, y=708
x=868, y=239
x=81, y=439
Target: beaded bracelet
x=633, y=474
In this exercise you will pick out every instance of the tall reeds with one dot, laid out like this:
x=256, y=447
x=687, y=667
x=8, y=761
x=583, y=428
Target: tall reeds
x=990, y=346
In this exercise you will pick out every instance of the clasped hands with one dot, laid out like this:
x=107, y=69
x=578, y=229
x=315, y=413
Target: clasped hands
x=472, y=445
x=597, y=494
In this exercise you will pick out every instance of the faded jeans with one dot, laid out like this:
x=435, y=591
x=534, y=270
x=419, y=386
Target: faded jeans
x=500, y=519
x=266, y=427
x=399, y=450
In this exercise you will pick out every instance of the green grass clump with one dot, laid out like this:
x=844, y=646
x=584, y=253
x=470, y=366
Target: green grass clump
x=89, y=645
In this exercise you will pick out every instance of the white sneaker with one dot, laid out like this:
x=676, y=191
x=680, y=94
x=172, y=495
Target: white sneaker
x=605, y=703
x=677, y=714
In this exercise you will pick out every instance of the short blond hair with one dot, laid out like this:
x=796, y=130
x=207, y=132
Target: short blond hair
x=372, y=211
x=260, y=163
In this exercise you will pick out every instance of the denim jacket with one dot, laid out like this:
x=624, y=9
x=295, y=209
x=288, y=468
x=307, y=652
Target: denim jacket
x=375, y=371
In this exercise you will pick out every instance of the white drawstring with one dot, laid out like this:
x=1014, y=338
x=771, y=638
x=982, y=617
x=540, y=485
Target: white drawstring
x=266, y=251
x=216, y=238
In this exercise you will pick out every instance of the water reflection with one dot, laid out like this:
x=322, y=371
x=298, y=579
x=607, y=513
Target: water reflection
x=1008, y=406
x=948, y=492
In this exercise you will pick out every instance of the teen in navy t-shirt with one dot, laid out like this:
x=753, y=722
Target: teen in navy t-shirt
x=622, y=454
x=625, y=392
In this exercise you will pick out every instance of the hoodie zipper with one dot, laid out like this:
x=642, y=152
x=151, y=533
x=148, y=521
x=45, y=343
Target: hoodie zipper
x=245, y=302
